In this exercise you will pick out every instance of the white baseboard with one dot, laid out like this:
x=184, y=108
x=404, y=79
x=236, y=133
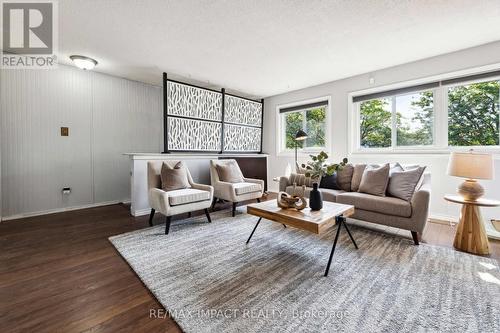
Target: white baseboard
x=140, y=212
x=443, y=219
x=60, y=210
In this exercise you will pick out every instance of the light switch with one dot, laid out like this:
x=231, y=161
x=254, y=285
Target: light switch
x=64, y=131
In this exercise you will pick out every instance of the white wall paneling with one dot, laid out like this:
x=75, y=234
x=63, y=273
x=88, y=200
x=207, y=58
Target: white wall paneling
x=340, y=134
x=105, y=115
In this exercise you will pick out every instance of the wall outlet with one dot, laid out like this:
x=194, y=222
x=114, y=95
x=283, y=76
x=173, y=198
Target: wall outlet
x=64, y=131
x=66, y=190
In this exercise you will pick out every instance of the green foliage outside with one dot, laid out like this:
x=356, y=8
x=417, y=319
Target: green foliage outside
x=473, y=114
x=473, y=118
x=314, y=127
x=376, y=123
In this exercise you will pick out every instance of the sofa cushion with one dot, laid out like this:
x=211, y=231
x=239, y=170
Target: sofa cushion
x=328, y=194
x=301, y=179
x=229, y=172
x=373, y=203
x=402, y=184
x=243, y=188
x=329, y=182
x=187, y=195
x=344, y=177
x=174, y=178
x=375, y=180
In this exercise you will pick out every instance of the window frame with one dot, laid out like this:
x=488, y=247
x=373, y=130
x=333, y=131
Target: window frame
x=280, y=140
x=440, y=128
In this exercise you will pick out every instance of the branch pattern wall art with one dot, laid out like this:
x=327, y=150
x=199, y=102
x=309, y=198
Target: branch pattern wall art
x=199, y=119
x=242, y=111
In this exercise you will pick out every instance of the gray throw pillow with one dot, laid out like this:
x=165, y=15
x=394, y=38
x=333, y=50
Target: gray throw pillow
x=402, y=184
x=229, y=172
x=396, y=167
x=374, y=180
x=344, y=177
x=174, y=178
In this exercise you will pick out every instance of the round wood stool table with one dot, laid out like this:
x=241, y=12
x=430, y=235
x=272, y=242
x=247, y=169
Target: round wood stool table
x=471, y=236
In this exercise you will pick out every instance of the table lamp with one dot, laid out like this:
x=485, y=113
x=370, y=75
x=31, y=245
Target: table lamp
x=300, y=136
x=471, y=166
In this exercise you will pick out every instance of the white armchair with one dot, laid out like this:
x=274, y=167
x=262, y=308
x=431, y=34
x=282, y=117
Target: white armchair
x=249, y=189
x=170, y=203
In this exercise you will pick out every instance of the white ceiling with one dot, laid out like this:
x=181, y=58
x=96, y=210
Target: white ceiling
x=263, y=48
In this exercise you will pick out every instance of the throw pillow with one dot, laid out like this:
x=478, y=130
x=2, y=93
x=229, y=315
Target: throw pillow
x=329, y=182
x=229, y=172
x=174, y=178
x=357, y=174
x=395, y=168
x=375, y=180
x=402, y=184
x=300, y=179
x=344, y=177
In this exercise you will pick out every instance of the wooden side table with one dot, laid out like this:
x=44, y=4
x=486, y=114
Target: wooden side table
x=471, y=236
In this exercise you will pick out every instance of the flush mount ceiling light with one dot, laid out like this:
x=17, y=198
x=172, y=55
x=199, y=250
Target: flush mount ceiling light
x=83, y=62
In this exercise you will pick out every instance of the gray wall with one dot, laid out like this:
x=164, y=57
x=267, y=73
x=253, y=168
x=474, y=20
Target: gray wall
x=106, y=116
x=339, y=90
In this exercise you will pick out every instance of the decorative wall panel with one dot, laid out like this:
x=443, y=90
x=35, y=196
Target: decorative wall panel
x=242, y=111
x=192, y=102
x=242, y=138
x=194, y=135
x=197, y=119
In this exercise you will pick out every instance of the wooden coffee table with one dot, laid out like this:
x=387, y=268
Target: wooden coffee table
x=313, y=221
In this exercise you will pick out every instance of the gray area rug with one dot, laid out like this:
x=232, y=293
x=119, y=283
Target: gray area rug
x=211, y=281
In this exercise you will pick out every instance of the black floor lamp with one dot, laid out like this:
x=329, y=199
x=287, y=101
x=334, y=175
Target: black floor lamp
x=300, y=136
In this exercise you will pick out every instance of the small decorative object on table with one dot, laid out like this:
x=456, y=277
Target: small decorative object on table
x=287, y=201
x=316, y=169
x=315, y=198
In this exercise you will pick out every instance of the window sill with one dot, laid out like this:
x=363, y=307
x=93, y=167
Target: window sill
x=431, y=151
x=288, y=153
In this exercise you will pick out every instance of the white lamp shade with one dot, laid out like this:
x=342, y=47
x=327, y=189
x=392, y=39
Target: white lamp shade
x=471, y=165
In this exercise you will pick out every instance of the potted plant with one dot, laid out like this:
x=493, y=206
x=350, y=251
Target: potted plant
x=317, y=168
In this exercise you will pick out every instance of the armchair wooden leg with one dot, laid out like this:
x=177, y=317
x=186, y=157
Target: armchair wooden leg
x=234, y=208
x=189, y=214
x=167, y=224
x=414, y=234
x=258, y=199
x=151, y=215
x=214, y=201
x=208, y=215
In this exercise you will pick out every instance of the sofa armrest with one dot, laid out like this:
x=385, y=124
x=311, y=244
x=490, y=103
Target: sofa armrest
x=420, y=203
x=283, y=183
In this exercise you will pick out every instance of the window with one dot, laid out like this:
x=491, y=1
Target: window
x=400, y=121
x=458, y=112
x=473, y=114
x=311, y=118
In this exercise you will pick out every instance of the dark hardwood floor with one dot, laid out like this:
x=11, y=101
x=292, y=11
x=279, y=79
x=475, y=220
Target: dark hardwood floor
x=59, y=273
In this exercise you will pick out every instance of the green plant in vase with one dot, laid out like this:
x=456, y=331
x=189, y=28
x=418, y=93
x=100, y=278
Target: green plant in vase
x=318, y=167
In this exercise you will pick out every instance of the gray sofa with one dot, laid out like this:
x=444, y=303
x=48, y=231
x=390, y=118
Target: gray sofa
x=409, y=215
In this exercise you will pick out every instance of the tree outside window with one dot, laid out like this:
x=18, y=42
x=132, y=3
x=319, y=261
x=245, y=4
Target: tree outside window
x=312, y=121
x=414, y=120
x=473, y=114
